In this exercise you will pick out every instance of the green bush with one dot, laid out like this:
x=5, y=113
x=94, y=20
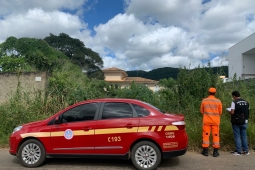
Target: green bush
x=137, y=91
x=69, y=85
x=21, y=108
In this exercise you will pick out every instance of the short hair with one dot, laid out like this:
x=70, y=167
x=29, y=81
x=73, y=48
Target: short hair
x=235, y=93
x=211, y=93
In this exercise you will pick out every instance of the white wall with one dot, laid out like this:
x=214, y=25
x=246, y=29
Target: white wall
x=240, y=63
x=249, y=65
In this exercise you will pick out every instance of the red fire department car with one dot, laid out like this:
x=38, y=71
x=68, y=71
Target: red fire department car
x=121, y=128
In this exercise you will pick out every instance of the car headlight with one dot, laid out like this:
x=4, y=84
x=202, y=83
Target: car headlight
x=16, y=129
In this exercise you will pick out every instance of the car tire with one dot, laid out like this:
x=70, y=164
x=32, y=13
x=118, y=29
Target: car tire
x=32, y=153
x=145, y=155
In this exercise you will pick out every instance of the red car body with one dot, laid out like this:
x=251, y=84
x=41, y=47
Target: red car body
x=102, y=134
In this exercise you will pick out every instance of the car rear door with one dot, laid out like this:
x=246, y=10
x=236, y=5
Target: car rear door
x=75, y=133
x=116, y=127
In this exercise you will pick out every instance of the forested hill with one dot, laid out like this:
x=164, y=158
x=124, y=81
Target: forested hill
x=167, y=72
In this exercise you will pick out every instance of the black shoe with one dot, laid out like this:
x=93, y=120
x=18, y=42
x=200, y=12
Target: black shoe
x=205, y=152
x=215, y=152
x=238, y=153
x=232, y=152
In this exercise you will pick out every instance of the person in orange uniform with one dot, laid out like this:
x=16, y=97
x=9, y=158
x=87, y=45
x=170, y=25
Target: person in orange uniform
x=211, y=109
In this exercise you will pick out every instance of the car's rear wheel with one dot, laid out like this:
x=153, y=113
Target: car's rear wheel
x=145, y=155
x=32, y=153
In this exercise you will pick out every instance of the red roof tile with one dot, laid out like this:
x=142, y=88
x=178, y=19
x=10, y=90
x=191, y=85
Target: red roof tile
x=114, y=69
x=135, y=79
x=128, y=79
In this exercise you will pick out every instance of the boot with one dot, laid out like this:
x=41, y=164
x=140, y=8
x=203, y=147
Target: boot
x=215, y=152
x=205, y=152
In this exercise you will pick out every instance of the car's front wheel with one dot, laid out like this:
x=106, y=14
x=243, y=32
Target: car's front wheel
x=32, y=153
x=145, y=155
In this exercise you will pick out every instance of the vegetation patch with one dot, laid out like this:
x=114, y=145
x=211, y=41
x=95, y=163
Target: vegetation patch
x=66, y=59
x=69, y=85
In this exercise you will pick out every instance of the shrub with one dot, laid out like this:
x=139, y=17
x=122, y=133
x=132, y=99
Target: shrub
x=69, y=85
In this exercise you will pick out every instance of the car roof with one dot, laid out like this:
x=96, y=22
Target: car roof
x=113, y=100
x=134, y=101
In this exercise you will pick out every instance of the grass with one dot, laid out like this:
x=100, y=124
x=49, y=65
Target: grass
x=183, y=97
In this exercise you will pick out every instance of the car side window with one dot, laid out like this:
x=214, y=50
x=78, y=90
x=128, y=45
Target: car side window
x=83, y=112
x=117, y=110
x=141, y=111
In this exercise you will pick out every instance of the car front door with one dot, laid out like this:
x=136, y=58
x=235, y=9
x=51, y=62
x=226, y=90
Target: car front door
x=116, y=127
x=75, y=132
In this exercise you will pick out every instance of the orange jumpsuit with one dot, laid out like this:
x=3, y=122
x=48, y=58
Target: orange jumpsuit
x=211, y=109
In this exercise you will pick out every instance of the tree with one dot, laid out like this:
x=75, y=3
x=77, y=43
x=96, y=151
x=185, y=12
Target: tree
x=167, y=83
x=11, y=64
x=36, y=52
x=76, y=51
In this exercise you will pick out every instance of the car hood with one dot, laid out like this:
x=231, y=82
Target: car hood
x=36, y=123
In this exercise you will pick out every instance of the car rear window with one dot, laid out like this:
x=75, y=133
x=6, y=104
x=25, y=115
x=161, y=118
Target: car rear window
x=141, y=111
x=117, y=110
x=162, y=111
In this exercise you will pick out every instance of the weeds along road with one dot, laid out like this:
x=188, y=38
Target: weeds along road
x=189, y=161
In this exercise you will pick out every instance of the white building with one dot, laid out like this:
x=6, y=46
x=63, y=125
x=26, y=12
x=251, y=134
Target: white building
x=241, y=59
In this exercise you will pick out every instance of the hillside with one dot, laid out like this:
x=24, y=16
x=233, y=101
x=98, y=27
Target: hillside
x=167, y=72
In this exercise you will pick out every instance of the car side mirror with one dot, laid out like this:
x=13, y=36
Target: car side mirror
x=57, y=120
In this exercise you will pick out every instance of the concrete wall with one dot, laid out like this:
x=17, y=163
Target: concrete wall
x=29, y=82
x=248, y=66
x=236, y=57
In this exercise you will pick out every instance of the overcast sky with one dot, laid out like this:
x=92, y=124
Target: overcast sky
x=137, y=34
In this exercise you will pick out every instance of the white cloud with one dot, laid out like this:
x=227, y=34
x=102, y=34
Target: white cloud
x=174, y=12
x=175, y=61
x=139, y=44
x=22, y=6
x=150, y=34
x=39, y=24
x=224, y=23
x=218, y=61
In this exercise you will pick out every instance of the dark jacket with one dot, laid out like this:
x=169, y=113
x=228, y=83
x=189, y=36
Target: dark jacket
x=241, y=110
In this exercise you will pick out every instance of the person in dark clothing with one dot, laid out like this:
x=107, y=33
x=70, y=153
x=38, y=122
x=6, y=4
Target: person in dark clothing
x=239, y=118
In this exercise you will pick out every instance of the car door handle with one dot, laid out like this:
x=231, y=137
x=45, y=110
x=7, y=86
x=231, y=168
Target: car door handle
x=87, y=128
x=130, y=126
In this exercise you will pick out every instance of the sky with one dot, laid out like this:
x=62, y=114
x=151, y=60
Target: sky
x=137, y=34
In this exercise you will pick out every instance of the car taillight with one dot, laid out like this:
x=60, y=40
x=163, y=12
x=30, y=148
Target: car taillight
x=180, y=124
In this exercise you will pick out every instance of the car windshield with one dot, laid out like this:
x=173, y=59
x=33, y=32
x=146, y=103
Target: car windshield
x=162, y=111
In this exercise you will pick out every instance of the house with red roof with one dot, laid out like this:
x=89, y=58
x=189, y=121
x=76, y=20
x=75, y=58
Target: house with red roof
x=117, y=76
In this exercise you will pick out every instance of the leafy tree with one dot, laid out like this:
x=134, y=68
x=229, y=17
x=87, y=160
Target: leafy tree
x=169, y=72
x=69, y=84
x=167, y=83
x=36, y=52
x=137, y=91
x=200, y=79
x=193, y=85
x=11, y=64
x=76, y=51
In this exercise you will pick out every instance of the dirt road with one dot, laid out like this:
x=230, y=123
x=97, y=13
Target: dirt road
x=189, y=161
